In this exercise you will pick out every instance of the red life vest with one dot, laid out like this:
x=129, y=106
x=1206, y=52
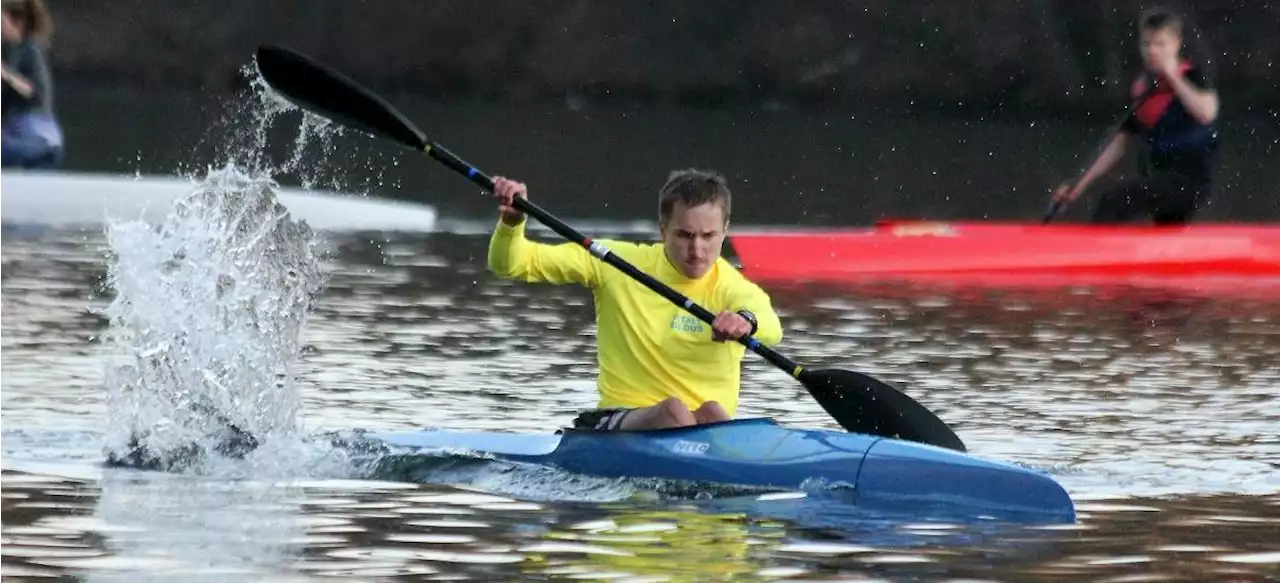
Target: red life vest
x=1151, y=98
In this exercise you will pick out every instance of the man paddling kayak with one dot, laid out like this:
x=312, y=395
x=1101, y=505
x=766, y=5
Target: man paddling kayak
x=1174, y=111
x=660, y=367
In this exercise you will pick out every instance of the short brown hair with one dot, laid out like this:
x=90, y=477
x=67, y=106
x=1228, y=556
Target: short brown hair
x=1158, y=19
x=693, y=188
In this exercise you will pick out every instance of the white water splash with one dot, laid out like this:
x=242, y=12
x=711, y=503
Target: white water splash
x=207, y=321
x=310, y=149
x=206, y=325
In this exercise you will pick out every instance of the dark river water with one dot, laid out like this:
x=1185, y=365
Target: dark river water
x=1159, y=413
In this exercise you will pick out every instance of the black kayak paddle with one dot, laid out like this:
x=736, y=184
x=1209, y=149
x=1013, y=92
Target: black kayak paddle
x=858, y=402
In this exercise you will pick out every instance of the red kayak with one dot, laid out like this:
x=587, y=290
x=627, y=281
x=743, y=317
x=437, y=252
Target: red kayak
x=1209, y=255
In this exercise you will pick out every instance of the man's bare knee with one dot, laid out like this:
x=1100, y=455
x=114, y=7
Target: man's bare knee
x=667, y=414
x=673, y=413
x=711, y=412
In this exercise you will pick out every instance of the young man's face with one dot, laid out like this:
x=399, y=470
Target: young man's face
x=9, y=29
x=1159, y=46
x=693, y=237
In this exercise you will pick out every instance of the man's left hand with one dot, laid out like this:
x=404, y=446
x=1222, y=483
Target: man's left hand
x=729, y=326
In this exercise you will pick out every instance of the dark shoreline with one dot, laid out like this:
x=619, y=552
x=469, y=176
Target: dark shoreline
x=1019, y=57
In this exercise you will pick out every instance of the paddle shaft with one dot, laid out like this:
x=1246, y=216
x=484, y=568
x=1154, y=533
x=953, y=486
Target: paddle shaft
x=601, y=252
x=333, y=95
x=1054, y=207
x=858, y=402
x=859, y=409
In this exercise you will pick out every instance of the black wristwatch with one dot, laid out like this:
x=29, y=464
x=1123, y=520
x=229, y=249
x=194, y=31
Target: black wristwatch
x=750, y=318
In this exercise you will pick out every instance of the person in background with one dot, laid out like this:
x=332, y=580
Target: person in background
x=1174, y=113
x=31, y=136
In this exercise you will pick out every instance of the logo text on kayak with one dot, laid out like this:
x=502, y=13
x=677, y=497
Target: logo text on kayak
x=690, y=447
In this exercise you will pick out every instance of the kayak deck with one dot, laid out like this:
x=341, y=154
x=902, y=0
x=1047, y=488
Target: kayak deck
x=498, y=444
x=761, y=453
x=743, y=452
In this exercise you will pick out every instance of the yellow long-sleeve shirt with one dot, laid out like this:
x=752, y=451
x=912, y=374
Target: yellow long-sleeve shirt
x=648, y=348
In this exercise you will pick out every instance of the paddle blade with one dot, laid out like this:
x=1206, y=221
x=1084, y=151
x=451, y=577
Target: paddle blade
x=862, y=404
x=329, y=94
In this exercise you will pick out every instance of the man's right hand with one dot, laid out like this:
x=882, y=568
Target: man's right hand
x=1066, y=193
x=506, y=192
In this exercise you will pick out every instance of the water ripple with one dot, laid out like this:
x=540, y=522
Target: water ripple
x=1157, y=412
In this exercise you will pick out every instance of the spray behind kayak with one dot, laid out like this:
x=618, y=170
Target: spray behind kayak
x=210, y=305
x=206, y=324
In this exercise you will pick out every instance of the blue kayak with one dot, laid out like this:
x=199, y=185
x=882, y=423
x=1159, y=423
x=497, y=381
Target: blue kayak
x=882, y=472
